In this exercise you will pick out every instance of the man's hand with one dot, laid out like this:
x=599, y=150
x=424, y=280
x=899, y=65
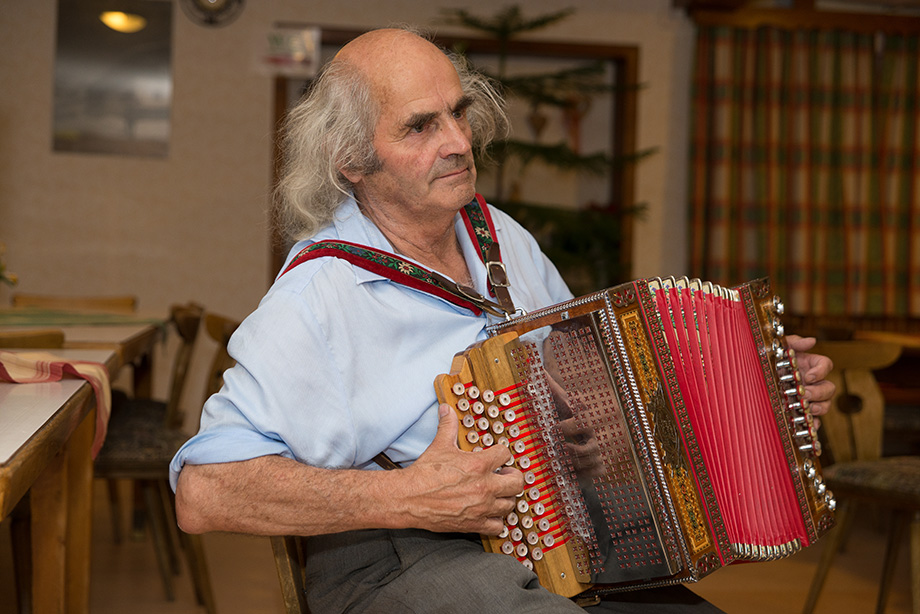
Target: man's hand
x=814, y=369
x=452, y=490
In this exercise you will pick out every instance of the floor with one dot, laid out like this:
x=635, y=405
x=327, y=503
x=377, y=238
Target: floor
x=242, y=570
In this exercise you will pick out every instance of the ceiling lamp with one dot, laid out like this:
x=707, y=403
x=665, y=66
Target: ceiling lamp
x=126, y=23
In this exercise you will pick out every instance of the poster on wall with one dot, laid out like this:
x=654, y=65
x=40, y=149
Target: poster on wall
x=290, y=52
x=113, y=77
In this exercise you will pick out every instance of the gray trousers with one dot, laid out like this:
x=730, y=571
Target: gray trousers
x=414, y=571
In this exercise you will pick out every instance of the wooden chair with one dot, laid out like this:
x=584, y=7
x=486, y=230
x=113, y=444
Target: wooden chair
x=853, y=431
x=104, y=304
x=143, y=437
x=32, y=338
x=290, y=557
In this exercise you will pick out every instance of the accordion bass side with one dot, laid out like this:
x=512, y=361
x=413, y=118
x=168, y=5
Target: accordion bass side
x=661, y=429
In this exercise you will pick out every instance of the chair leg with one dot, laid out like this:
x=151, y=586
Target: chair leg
x=115, y=509
x=198, y=569
x=833, y=540
x=169, y=522
x=915, y=562
x=158, y=536
x=899, y=523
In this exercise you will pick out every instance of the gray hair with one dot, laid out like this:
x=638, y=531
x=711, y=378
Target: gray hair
x=332, y=128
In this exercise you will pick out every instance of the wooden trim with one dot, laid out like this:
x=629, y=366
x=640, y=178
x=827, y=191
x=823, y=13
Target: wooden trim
x=625, y=112
x=808, y=19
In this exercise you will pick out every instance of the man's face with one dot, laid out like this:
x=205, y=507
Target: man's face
x=423, y=142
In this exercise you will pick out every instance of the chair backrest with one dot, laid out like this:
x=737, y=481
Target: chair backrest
x=289, y=562
x=853, y=426
x=104, y=304
x=187, y=320
x=32, y=338
x=220, y=329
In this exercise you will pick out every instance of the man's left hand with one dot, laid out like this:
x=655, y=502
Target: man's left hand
x=814, y=369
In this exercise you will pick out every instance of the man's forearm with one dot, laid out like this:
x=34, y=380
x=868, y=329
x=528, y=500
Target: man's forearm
x=272, y=495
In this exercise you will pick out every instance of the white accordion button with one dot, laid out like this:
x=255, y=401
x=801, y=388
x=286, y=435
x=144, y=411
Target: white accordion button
x=504, y=533
x=529, y=477
x=536, y=554
x=472, y=392
x=504, y=399
x=511, y=519
x=488, y=396
x=463, y=405
x=487, y=439
x=524, y=462
x=528, y=564
x=518, y=446
x=472, y=437
x=548, y=541
x=478, y=408
x=507, y=547
x=527, y=522
x=532, y=538
x=458, y=389
x=468, y=421
x=533, y=494
x=543, y=525
x=483, y=424
x=514, y=430
x=516, y=534
x=522, y=506
x=493, y=411
x=498, y=428
x=509, y=415
x=521, y=550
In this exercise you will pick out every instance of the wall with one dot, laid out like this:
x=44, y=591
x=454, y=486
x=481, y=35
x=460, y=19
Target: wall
x=193, y=226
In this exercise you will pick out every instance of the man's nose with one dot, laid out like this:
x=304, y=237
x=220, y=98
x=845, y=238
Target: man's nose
x=457, y=138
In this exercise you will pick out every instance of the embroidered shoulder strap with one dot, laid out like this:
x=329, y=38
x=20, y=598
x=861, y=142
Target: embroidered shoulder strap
x=479, y=225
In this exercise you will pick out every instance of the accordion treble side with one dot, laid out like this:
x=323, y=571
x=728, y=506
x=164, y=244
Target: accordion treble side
x=661, y=429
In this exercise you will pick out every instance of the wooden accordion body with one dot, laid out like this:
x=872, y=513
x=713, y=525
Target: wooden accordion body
x=661, y=429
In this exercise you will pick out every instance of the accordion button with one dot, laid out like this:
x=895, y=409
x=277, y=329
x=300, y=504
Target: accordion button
x=528, y=564
x=516, y=534
x=511, y=520
x=504, y=533
x=493, y=411
x=504, y=399
x=507, y=547
x=498, y=428
x=504, y=441
x=533, y=539
x=463, y=405
x=478, y=408
x=543, y=525
x=518, y=446
x=514, y=430
x=472, y=437
x=521, y=550
x=488, y=396
x=523, y=506
x=487, y=439
x=539, y=509
x=468, y=421
x=472, y=392
x=527, y=522
x=524, y=462
x=509, y=415
x=536, y=554
x=533, y=494
x=483, y=424
x=548, y=541
x=529, y=477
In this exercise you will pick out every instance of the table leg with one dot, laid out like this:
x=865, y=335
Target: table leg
x=61, y=504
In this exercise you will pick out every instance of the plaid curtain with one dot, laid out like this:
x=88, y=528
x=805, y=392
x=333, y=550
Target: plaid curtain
x=804, y=167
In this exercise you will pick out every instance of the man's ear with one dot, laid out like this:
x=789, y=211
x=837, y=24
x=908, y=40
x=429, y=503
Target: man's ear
x=352, y=176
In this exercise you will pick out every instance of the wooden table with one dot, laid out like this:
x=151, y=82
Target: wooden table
x=46, y=433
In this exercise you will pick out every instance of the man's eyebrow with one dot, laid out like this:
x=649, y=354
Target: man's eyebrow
x=417, y=120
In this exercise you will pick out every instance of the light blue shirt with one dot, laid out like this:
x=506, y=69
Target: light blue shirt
x=337, y=364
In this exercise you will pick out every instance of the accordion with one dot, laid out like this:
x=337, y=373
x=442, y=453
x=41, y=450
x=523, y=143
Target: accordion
x=661, y=429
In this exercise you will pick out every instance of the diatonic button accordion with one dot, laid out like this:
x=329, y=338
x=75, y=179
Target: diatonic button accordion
x=661, y=429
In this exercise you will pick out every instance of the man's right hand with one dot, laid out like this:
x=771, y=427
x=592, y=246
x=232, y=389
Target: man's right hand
x=452, y=490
